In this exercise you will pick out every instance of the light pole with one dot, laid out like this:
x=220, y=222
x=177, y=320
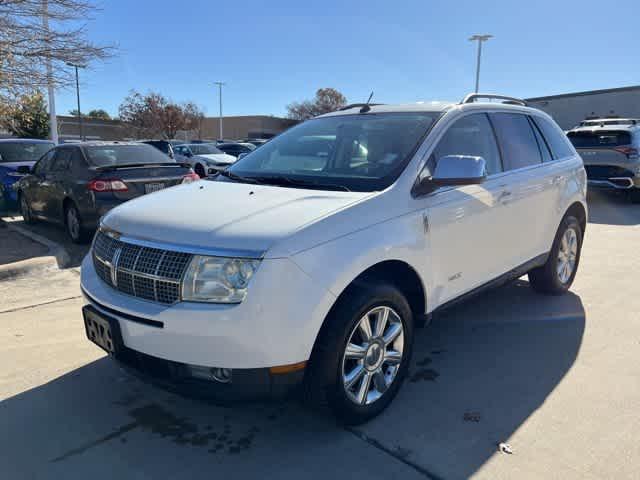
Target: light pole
x=76, y=66
x=220, y=84
x=53, y=120
x=479, y=39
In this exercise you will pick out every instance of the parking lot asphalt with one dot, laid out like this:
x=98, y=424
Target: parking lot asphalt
x=554, y=377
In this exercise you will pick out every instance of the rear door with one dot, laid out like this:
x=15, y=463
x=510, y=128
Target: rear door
x=529, y=191
x=56, y=183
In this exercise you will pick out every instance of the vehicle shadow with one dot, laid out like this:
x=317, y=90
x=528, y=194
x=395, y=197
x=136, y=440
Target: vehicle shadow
x=479, y=371
x=55, y=233
x=612, y=208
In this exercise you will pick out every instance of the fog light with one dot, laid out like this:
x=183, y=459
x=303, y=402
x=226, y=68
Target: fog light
x=222, y=375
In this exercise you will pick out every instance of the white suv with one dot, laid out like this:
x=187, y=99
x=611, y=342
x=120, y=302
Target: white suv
x=312, y=260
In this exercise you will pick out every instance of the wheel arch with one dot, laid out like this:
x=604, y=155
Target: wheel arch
x=578, y=210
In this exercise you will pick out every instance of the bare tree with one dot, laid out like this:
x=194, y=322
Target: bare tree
x=326, y=100
x=154, y=115
x=26, y=45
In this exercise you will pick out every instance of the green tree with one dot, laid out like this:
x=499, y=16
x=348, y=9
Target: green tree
x=99, y=113
x=28, y=117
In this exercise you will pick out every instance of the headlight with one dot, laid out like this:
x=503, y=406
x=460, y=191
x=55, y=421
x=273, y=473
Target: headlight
x=218, y=279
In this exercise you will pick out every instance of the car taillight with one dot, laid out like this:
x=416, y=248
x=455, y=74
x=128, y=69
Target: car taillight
x=630, y=152
x=190, y=177
x=107, y=185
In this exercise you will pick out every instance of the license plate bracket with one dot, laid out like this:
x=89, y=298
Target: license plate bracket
x=102, y=330
x=153, y=187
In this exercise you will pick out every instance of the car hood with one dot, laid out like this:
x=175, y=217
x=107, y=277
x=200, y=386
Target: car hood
x=217, y=158
x=224, y=215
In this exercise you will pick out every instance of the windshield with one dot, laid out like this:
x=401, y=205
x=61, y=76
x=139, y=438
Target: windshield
x=23, y=151
x=204, y=149
x=351, y=152
x=105, y=155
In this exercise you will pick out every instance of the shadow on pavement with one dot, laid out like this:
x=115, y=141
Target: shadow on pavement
x=612, y=208
x=479, y=371
x=58, y=235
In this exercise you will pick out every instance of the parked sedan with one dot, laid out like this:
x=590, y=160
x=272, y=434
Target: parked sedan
x=17, y=156
x=236, y=148
x=205, y=158
x=76, y=184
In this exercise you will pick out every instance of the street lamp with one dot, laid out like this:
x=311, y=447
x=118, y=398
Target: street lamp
x=76, y=66
x=479, y=39
x=220, y=84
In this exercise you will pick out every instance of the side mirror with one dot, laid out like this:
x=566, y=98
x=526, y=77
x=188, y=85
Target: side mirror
x=242, y=155
x=460, y=170
x=24, y=170
x=452, y=170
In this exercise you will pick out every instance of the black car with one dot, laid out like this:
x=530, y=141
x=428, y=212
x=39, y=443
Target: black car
x=163, y=145
x=236, y=149
x=76, y=184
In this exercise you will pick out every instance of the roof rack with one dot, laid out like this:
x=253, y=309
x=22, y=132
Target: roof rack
x=472, y=97
x=357, y=105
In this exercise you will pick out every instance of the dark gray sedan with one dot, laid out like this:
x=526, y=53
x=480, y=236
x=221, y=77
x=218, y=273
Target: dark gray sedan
x=76, y=184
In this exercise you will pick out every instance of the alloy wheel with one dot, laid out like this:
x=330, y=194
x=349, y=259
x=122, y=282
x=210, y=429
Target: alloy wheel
x=73, y=223
x=24, y=209
x=373, y=355
x=567, y=255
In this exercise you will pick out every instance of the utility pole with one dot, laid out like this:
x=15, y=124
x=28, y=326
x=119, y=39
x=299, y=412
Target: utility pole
x=53, y=120
x=480, y=39
x=220, y=84
x=76, y=66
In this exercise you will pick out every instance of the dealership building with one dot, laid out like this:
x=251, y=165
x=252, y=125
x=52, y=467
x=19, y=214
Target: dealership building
x=569, y=109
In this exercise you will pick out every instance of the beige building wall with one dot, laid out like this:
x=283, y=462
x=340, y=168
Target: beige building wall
x=246, y=126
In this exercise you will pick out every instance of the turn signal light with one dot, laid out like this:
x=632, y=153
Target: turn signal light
x=107, y=185
x=630, y=152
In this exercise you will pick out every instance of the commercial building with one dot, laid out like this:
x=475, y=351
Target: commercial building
x=569, y=109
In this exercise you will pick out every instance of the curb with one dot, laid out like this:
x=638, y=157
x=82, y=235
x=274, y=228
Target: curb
x=21, y=268
x=57, y=252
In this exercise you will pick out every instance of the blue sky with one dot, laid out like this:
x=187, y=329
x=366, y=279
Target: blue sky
x=272, y=53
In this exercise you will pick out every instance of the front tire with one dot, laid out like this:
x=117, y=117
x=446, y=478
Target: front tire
x=634, y=195
x=73, y=223
x=557, y=274
x=362, y=353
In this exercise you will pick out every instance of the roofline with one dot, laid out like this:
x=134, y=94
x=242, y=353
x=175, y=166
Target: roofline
x=585, y=93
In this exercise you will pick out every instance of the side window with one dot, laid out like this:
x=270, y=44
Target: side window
x=62, y=161
x=518, y=142
x=471, y=135
x=555, y=137
x=44, y=163
x=542, y=143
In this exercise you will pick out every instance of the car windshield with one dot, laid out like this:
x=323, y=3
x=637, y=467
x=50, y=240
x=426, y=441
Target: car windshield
x=23, y=151
x=106, y=155
x=204, y=149
x=349, y=152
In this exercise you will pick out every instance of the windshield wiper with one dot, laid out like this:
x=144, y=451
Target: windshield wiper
x=239, y=178
x=284, y=181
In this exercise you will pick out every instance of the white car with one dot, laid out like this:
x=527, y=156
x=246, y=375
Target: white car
x=205, y=158
x=311, y=261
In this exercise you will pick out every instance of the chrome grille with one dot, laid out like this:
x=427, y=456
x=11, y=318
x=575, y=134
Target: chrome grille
x=144, y=272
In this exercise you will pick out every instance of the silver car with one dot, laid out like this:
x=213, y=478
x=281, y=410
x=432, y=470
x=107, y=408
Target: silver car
x=610, y=148
x=204, y=158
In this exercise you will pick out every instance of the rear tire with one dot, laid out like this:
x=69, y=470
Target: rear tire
x=73, y=223
x=557, y=274
x=25, y=209
x=359, y=383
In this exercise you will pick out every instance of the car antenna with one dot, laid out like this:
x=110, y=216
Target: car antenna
x=365, y=108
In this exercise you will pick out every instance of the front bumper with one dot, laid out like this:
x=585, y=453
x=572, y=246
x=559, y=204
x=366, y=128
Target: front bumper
x=275, y=325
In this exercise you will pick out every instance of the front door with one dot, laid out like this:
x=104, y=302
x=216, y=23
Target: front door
x=465, y=228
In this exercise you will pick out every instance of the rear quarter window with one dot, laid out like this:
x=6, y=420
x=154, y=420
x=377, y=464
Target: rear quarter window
x=555, y=138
